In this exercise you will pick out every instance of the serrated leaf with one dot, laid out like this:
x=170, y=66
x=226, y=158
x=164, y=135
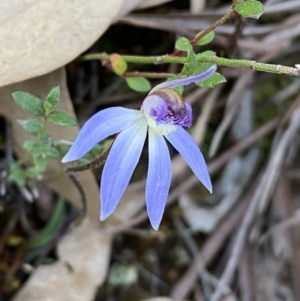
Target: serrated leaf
x=52, y=152
x=41, y=163
x=61, y=118
x=139, y=84
x=118, y=64
x=31, y=146
x=214, y=80
x=32, y=172
x=183, y=44
x=29, y=103
x=250, y=9
x=52, y=99
x=190, y=67
x=206, y=39
x=45, y=141
x=32, y=126
x=17, y=174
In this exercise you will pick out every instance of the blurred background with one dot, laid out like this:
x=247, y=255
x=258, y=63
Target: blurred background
x=240, y=243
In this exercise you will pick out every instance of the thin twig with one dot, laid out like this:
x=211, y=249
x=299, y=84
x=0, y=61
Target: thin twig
x=203, y=33
x=98, y=162
x=262, y=192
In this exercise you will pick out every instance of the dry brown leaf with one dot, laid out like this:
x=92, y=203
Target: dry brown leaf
x=84, y=257
x=38, y=36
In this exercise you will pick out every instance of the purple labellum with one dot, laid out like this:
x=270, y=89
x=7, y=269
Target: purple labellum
x=178, y=112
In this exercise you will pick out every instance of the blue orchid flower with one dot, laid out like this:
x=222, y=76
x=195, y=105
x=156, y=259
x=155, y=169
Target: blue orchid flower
x=162, y=115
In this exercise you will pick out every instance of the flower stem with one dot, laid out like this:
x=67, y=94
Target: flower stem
x=98, y=162
x=220, y=61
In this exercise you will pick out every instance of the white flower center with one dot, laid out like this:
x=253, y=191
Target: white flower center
x=160, y=128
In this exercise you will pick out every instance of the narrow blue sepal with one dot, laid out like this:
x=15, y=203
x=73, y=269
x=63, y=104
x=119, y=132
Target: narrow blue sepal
x=158, y=178
x=189, y=150
x=120, y=164
x=100, y=126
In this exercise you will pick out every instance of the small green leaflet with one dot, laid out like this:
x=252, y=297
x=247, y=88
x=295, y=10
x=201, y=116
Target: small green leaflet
x=61, y=118
x=250, y=9
x=32, y=126
x=183, y=44
x=214, y=80
x=139, y=84
x=206, y=39
x=52, y=99
x=29, y=103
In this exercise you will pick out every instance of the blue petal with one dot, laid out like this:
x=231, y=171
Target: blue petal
x=120, y=164
x=189, y=150
x=101, y=125
x=158, y=178
x=187, y=80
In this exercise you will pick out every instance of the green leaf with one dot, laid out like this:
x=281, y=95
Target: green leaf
x=61, y=118
x=52, y=99
x=183, y=44
x=45, y=141
x=206, y=39
x=214, y=80
x=118, y=64
x=32, y=126
x=190, y=66
x=17, y=174
x=32, y=172
x=63, y=148
x=139, y=84
x=52, y=152
x=40, y=162
x=29, y=103
x=31, y=146
x=202, y=66
x=250, y=9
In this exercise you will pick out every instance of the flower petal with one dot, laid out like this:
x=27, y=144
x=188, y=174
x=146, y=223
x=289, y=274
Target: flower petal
x=189, y=150
x=101, y=125
x=158, y=178
x=120, y=164
x=187, y=80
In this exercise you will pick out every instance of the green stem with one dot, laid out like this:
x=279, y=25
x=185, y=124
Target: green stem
x=151, y=74
x=234, y=63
